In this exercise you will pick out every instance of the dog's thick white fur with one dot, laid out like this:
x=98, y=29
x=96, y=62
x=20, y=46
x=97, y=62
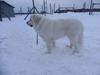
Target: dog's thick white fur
x=51, y=30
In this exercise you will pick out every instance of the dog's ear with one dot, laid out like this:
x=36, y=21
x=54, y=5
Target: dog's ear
x=37, y=18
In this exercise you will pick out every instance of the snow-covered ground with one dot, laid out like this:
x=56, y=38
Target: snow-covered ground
x=19, y=54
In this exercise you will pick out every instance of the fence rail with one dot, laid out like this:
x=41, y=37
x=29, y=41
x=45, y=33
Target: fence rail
x=78, y=10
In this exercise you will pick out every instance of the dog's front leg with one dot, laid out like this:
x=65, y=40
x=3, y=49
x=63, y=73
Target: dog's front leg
x=49, y=44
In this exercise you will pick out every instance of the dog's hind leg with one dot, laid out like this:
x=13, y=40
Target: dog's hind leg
x=70, y=45
x=71, y=42
x=80, y=39
x=74, y=43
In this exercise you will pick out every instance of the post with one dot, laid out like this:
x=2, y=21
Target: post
x=84, y=5
x=28, y=9
x=46, y=7
x=54, y=7
x=73, y=6
x=91, y=7
x=50, y=9
x=42, y=8
x=0, y=17
x=0, y=13
x=58, y=5
x=20, y=10
x=33, y=7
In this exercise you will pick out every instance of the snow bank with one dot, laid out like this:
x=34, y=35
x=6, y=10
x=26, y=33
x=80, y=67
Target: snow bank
x=19, y=54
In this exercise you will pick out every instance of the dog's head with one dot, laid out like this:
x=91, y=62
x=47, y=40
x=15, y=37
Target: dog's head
x=34, y=20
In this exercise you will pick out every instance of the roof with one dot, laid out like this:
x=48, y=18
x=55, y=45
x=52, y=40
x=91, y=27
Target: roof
x=7, y=4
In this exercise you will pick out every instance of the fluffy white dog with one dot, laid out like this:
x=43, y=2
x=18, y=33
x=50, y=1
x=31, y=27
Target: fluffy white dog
x=51, y=30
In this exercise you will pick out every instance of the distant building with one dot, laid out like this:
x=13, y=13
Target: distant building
x=6, y=10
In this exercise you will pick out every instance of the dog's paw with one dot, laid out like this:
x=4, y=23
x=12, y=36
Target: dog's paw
x=75, y=52
x=69, y=46
x=48, y=52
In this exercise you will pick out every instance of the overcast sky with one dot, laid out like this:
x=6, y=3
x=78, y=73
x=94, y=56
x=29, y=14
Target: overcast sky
x=28, y=3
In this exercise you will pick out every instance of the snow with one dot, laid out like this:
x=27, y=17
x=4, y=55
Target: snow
x=19, y=54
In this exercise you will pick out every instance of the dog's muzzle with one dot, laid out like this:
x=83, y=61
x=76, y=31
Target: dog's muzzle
x=29, y=24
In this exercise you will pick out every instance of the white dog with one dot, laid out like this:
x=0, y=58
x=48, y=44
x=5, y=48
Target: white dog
x=51, y=30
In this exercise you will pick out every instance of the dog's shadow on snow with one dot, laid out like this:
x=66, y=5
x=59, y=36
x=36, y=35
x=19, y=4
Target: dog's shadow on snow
x=56, y=50
x=62, y=50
